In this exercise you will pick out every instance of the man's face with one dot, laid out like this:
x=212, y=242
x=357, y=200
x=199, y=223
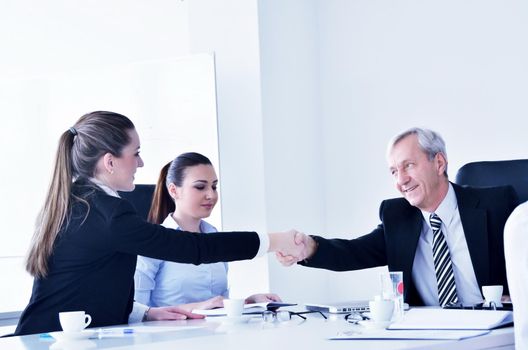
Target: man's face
x=421, y=181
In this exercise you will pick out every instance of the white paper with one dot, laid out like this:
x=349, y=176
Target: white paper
x=428, y=318
x=409, y=334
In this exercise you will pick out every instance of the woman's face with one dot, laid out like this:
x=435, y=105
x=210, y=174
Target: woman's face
x=197, y=195
x=125, y=166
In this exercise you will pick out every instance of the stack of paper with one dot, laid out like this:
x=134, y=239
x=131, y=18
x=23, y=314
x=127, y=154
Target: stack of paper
x=248, y=309
x=441, y=324
x=409, y=334
x=428, y=318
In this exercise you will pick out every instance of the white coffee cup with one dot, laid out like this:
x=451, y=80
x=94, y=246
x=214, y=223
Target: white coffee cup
x=381, y=310
x=74, y=321
x=492, y=294
x=234, y=307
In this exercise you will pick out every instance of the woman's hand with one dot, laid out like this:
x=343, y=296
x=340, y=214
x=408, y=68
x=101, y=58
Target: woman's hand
x=262, y=298
x=214, y=302
x=170, y=313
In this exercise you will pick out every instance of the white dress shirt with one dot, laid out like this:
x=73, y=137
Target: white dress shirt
x=165, y=283
x=516, y=254
x=423, y=272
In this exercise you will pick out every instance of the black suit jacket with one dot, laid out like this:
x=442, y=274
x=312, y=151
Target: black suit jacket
x=94, y=259
x=483, y=212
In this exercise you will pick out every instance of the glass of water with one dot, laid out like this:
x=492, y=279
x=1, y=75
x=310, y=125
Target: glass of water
x=392, y=288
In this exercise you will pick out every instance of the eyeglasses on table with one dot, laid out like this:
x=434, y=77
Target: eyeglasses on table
x=284, y=315
x=356, y=317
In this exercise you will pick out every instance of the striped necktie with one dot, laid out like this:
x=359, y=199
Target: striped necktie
x=442, y=261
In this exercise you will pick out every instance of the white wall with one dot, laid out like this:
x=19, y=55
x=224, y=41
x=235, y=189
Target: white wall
x=230, y=29
x=308, y=94
x=458, y=67
x=339, y=78
x=293, y=141
x=39, y=40
x=59, y=35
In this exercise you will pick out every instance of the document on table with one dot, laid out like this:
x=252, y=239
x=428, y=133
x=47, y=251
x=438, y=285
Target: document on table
x=248, y=309
x=409, y=334
x=427, y=318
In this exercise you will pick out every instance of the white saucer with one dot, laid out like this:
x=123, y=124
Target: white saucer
x=487, y=304
x=84, y=334
x=369, y=324
x=79, y=344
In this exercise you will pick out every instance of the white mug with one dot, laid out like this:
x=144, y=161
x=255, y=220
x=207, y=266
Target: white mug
x=492, y=294
x=234, y=307
x=381, y=310
x=74, y=321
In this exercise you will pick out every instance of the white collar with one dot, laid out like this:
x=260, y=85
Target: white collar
x=446, y=209
x=105, y=188
x=205, y=227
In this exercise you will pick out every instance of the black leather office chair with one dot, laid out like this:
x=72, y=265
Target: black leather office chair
x=496, y=173
x=141, y=198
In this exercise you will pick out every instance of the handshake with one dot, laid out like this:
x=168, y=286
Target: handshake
x=291, y=246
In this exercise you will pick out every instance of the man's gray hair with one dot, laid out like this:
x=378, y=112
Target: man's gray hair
x=430, y=142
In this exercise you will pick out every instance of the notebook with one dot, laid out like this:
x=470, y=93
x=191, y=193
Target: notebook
x=341, y=307
x=248, y=309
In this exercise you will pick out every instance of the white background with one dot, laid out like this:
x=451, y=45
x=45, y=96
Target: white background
x=308, y=93
x=161, y=97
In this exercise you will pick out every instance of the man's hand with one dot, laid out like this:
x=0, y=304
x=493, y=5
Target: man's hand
x=308, y=247
x=292, y=246
x=284, y=242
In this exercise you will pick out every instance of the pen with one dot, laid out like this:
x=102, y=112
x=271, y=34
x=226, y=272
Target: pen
x=109, y=332
x=45, y=336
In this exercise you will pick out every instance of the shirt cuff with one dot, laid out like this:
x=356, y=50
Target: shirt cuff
x=264, y=244
x=138, y=310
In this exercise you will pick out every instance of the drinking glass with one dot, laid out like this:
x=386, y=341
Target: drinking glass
x=392, y=288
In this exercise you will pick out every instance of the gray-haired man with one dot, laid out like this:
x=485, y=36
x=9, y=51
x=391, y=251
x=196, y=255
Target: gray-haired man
x=447, y=239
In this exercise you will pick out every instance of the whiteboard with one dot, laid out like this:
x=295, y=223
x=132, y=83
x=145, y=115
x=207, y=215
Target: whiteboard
x=172, y=103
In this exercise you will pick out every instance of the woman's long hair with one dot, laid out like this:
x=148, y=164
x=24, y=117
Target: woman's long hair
x=172, y=172
x=78, y=152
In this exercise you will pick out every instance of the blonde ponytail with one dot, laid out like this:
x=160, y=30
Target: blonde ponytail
x=54, y=211
x=78, y=152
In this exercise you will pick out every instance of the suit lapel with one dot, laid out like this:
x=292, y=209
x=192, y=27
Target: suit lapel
x=475, y=230
x=416, y=224
x=407, y=229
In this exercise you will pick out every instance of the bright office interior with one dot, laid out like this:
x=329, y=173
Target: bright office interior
x=308, y=92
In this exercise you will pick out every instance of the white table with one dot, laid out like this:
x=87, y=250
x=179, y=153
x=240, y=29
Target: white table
x=219, y=333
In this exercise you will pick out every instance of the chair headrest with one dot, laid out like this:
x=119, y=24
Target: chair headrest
x=496, y=173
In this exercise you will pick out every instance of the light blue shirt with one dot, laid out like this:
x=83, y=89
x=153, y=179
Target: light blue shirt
x=423, y=271
x=166, y=283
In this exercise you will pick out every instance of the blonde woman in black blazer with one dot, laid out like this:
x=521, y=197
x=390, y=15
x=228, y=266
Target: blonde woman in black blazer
x=83, y=253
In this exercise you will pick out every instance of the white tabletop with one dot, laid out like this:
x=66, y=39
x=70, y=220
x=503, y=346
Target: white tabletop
x=219, y=333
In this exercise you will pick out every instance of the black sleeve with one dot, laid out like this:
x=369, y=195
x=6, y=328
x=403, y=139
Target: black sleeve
x=131, y=234
x=354, y=254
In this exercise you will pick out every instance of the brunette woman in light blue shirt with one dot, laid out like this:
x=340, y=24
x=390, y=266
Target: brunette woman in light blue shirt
x=185, y=194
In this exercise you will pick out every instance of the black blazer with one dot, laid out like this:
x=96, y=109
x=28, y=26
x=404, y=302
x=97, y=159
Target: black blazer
x=483, y=212
x=94, y=259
